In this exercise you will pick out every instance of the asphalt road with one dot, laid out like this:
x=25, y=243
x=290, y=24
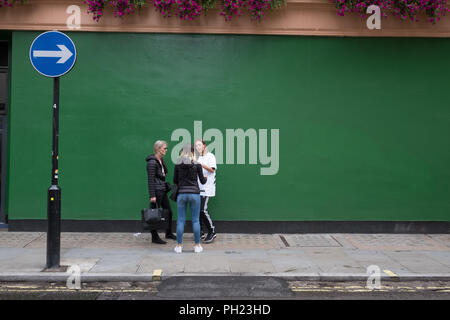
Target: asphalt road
x=227, y=288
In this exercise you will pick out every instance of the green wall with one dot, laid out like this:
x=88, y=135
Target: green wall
x=364, y=124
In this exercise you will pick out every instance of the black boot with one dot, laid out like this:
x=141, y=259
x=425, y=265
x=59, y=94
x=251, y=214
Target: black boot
x=170, y=235
x=157, y=239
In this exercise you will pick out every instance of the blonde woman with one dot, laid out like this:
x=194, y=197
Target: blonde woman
x=186, y=176
x=158, y=187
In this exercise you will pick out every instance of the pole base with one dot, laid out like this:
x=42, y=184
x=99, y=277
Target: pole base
x=57, y=269
x=54, y=226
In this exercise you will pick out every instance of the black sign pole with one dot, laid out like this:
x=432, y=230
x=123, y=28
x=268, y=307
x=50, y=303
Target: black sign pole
x=54, y=192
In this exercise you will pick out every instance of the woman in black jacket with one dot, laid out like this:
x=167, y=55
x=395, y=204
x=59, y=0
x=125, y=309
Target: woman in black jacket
x=158, y=187
x=186, y=176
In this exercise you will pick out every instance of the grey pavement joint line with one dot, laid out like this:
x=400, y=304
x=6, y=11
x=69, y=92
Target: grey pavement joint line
x=334, y=238
x=36, y=239
x=284, y=240
x=436, y=261
x=396, y=260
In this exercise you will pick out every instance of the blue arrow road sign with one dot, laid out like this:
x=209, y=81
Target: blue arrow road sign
x=53, y=54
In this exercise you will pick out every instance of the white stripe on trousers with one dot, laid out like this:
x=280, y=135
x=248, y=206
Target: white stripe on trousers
x=205, y=210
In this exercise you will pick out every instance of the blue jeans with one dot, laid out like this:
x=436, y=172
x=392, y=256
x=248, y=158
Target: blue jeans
x=182, y=203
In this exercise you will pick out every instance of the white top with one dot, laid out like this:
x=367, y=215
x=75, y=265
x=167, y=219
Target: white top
x=209, y=188
x=163, y=172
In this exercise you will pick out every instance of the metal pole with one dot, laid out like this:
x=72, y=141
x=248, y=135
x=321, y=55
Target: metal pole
x=54, y=192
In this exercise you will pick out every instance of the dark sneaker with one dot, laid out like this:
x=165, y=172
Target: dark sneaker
x=158, y=240
x=210, y=238
x=203, y=236
x=171, y=236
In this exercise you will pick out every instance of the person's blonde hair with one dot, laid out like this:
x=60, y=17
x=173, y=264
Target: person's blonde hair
x=158, y=144
x=187, y=154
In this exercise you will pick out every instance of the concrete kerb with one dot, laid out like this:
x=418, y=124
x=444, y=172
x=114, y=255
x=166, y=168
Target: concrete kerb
x=120, y=277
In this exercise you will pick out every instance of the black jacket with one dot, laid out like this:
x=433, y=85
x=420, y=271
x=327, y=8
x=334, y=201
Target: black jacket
x=186, y=175
x=156, y=179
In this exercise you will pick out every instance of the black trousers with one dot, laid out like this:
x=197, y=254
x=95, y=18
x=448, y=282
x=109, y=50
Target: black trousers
x=205, y=218
x=162, y=200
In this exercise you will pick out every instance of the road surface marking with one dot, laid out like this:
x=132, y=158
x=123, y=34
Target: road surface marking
x=390, y=273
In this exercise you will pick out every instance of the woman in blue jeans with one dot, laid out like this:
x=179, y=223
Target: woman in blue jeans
x=186, y=176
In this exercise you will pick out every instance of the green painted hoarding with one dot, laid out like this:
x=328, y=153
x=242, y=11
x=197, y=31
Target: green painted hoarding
x=362, y=125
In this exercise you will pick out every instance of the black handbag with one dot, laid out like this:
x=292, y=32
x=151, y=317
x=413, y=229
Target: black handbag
x=155, y=218
x=152, y=215
x=174, y=195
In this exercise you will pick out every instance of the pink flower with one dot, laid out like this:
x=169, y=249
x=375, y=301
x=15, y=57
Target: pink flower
x=400, y=8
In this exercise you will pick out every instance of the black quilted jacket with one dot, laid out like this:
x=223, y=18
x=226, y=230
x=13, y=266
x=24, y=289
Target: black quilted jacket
x=186, y=176
x=156, y=179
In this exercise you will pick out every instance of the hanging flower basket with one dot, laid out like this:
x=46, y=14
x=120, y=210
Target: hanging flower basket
x=402, y=9
x=191, y=9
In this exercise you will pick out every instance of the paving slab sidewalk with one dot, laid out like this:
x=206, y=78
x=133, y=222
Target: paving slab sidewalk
x=132, y=257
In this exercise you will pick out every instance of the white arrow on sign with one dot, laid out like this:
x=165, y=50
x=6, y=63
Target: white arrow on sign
x=63, y=53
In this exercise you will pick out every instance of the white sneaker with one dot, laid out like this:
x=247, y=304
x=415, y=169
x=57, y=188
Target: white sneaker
x=198, y=249
x=178, y=249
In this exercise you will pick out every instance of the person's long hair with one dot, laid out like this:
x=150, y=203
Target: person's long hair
x=187, y=155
